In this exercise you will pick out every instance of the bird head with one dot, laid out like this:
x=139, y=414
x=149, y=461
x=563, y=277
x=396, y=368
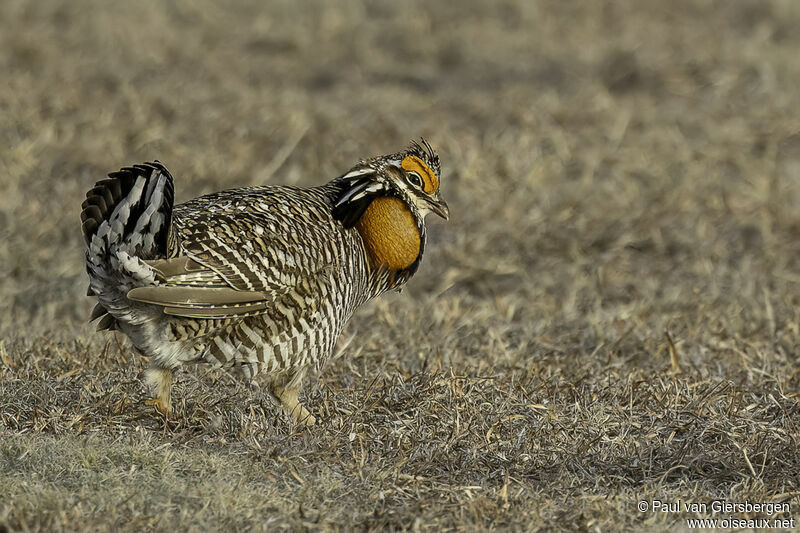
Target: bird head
x=411, y=175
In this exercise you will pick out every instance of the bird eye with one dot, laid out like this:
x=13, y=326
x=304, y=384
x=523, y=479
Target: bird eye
x=414, y=179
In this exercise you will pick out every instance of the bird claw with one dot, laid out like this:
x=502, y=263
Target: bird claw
x=302, y=417
x=160, y=406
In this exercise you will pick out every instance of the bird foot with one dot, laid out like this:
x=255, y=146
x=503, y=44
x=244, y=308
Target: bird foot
x=161, y=380
x=301, y=415
x=288, y=398
x=160, y=405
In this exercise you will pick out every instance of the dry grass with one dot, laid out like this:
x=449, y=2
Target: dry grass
x=610, y=316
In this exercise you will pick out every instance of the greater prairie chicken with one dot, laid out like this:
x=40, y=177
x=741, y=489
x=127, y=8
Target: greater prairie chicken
x=261, y=279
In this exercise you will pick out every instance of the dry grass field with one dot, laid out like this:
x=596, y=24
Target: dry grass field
x=611, y=314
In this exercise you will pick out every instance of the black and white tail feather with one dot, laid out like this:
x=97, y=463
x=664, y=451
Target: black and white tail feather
x=126, y=219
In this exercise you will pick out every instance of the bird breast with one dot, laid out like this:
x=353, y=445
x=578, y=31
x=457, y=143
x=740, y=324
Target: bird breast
x=390, y=233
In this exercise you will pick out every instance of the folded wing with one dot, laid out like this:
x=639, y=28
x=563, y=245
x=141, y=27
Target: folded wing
x=232, y=266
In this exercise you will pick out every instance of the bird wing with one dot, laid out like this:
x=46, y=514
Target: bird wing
x=232, y=265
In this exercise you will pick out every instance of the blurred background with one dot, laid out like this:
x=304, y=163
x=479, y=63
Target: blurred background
x=599, y=157
x=623, y=179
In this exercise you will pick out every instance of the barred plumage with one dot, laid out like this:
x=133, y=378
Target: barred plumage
x=262, y=279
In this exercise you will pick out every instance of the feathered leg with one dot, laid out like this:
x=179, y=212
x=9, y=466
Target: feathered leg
x=161, y=381
x=287, y=395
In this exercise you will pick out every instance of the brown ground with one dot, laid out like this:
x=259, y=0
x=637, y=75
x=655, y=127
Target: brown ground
x=611, y=315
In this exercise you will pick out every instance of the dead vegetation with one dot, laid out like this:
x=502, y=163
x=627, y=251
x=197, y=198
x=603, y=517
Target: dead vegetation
x=610, y=316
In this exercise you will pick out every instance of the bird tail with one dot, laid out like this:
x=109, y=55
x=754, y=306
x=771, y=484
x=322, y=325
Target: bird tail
x=126, y=219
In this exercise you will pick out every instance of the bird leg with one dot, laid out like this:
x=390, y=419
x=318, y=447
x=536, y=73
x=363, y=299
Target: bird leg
x=287, y=395
x=161, y=381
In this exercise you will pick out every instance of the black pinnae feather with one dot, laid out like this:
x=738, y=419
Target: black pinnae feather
x=353, y=201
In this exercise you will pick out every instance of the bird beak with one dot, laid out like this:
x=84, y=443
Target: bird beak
x=439, y=207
